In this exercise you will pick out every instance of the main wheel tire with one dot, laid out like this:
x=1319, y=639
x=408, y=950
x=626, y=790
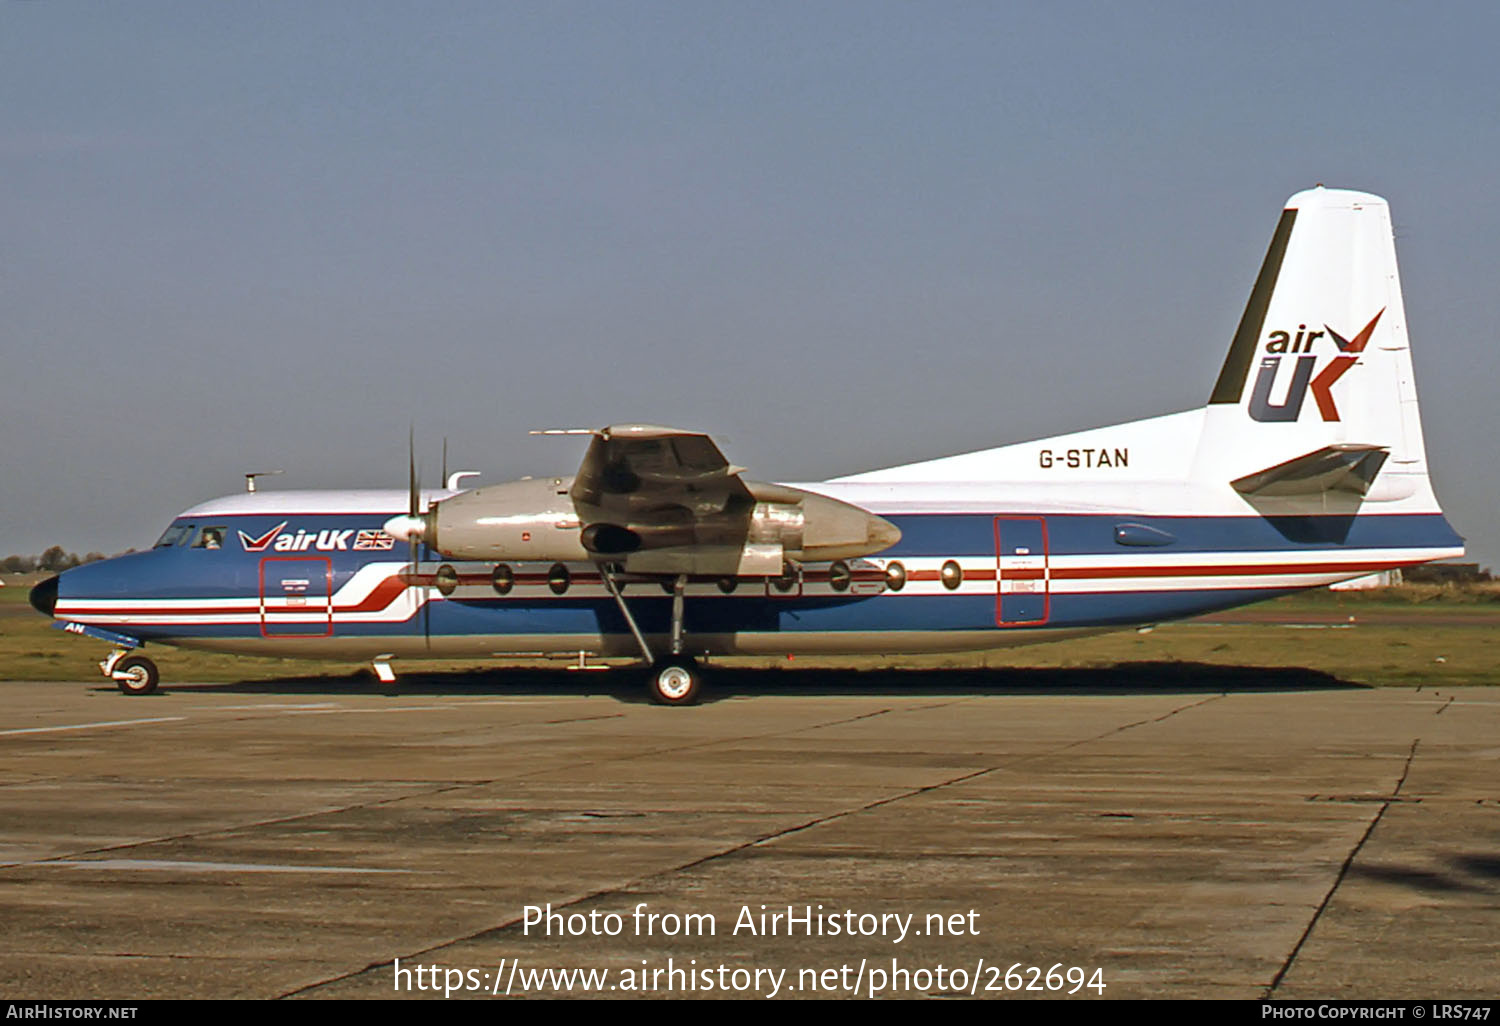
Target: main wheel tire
x=675, y=682
x=136, y=675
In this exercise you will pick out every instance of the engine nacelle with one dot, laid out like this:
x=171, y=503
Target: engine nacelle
x=752, y=534
x=837, y=530
x=530, y=519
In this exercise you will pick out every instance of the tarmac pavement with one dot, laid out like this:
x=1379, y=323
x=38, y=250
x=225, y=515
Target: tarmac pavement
x=266, y=841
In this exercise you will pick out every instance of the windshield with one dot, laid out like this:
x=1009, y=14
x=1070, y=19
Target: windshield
x=174, y=535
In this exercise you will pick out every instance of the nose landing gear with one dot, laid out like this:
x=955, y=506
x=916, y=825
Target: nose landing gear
x=132, y=674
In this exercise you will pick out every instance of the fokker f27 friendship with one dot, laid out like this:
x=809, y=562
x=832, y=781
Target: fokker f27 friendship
x=1305, y=467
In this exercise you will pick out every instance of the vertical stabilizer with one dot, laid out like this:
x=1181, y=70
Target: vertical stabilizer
x=1320, y=367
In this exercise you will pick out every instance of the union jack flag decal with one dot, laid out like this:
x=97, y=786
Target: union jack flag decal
x=374, y=540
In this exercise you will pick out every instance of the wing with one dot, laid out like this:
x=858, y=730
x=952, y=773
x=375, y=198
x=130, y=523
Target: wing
x=634, y=463
x=667, y=501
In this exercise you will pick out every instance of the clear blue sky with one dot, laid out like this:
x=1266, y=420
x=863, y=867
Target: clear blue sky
x=835, y=235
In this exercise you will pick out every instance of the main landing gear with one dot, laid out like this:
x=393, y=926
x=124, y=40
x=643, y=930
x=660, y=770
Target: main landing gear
x=674, y=679
x=132, y=674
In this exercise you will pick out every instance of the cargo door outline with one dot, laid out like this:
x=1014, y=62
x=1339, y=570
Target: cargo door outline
x=296, y=597
x=1023, y=572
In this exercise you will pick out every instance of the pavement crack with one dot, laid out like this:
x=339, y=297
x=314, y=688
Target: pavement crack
x=851, y=719
x=1121, y=729
x=583, y=719
x=774, y=835
x=1406, y=769
x=393, y=799
x=1342, y=873
x=273, y=821
x=713, y=742
x=606, y=892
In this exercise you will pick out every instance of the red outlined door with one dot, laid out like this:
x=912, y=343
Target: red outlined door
x=1022, y=575
x=296, y=596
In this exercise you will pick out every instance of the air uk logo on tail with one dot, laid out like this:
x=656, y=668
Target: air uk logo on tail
x=1282, y=343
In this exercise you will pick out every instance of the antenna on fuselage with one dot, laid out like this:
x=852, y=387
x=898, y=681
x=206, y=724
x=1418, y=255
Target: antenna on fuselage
x=252, y=475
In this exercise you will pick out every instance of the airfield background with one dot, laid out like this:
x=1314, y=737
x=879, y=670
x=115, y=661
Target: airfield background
x=838, y=236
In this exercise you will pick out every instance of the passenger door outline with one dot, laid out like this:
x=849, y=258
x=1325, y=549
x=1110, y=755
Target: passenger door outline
x=296, y=596
x=1023, y=573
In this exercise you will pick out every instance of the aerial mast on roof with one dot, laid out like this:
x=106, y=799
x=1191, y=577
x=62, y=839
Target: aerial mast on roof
x=252, y=475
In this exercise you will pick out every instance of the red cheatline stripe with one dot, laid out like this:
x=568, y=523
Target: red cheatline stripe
x=1209, y=570
x=969, y=575
x=379, y=598
x=63, y=612
x=386, y=592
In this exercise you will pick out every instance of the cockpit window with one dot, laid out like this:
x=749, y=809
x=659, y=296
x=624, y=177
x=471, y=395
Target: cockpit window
x=174, y=535
x=210, y=538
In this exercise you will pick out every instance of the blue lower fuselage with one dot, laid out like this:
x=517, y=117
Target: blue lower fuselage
x=335, y=586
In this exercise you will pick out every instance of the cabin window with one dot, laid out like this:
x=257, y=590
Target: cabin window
x=839, y=576
x=446, y=579
x=952, y=575
x=788, y=579
x=502, y=579
x=895, y=576
x=558, y=578
x=210, y=538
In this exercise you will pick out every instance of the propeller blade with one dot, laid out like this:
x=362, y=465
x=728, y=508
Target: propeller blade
x=413, y=498
x=412, y=495
x=414, y=525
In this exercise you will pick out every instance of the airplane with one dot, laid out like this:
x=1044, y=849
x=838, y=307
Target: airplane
x=1305, y=467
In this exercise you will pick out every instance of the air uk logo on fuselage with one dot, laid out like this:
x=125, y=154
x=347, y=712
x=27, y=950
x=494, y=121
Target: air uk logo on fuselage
x=1300, y=343
x=328, y=540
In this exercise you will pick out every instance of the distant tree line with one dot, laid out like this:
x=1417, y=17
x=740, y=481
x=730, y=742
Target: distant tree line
x=53, y=560
x=1447, y=573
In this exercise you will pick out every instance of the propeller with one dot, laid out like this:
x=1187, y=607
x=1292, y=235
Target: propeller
x=411, y=526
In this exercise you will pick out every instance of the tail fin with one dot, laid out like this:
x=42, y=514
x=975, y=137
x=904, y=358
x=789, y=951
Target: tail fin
x=1316, y=406
x=1314, y=411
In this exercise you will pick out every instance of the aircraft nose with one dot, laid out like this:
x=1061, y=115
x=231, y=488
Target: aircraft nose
x=44, y=596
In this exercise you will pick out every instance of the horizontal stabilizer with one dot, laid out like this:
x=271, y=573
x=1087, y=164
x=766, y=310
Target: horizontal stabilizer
x=1345, y=467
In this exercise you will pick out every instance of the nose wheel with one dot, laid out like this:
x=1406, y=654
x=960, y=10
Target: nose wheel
x=675, y=681
x=135, y=675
